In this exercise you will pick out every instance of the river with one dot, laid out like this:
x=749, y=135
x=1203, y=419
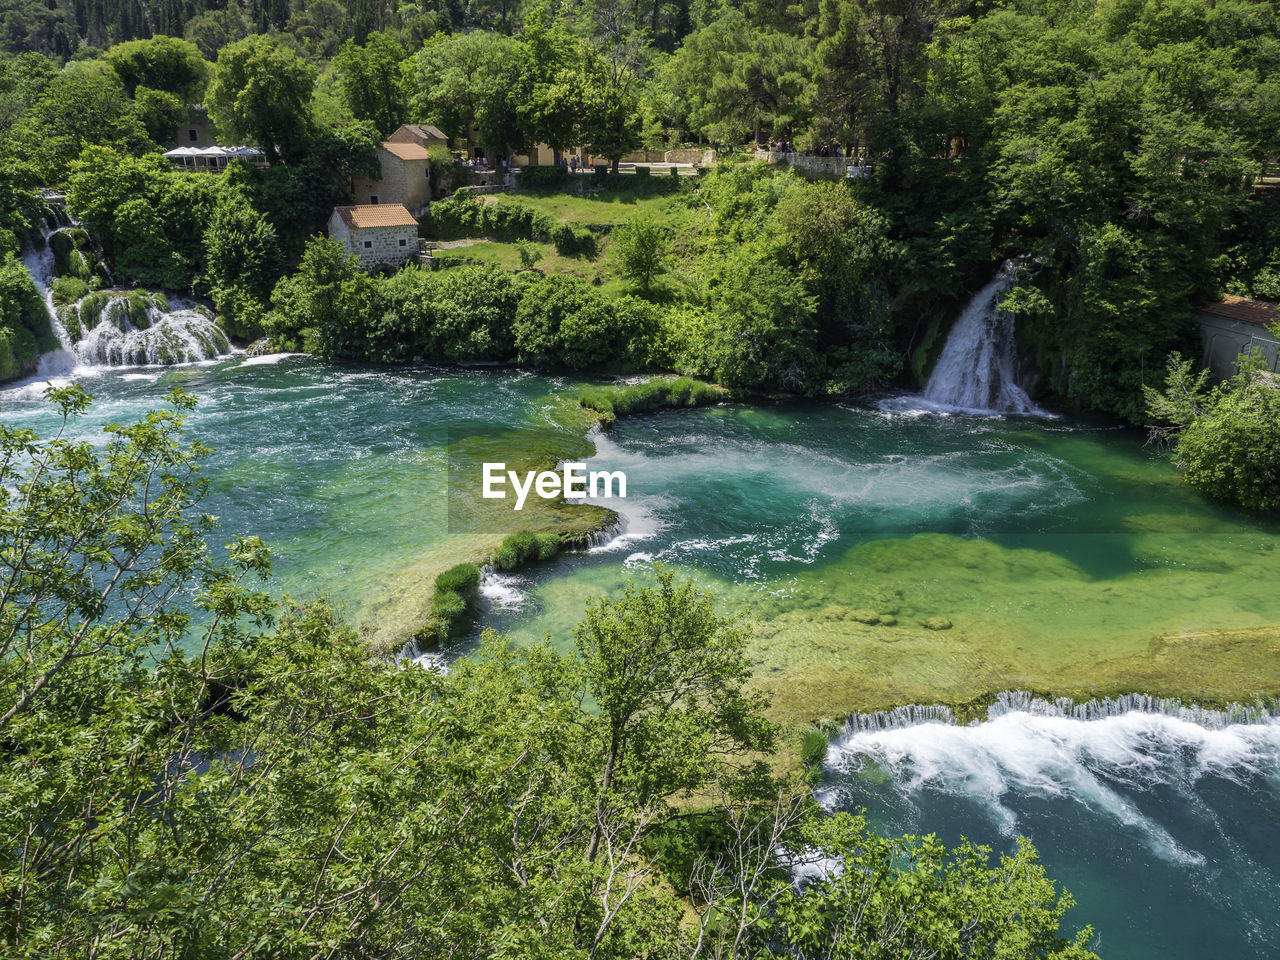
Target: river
x=1065, y=557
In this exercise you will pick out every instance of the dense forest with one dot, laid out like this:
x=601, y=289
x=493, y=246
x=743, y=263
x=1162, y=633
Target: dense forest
x=1117, y=149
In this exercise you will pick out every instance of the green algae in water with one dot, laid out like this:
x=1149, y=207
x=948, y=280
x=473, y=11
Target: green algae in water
x=1067, y=557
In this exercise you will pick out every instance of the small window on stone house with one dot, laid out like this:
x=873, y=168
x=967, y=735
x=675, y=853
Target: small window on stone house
x=368, y=244
x=373, y=198
x=404, y=242
x=192, y=135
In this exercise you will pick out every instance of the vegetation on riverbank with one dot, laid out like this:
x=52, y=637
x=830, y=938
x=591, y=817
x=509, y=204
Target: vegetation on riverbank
x=618, y=400
x=1225, y=438
x=385, y=785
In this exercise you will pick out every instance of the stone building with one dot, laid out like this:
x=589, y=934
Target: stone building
x=406, y=178
x=423, y=134
x=1235, y=324
x=196, y=130
x=383, y=234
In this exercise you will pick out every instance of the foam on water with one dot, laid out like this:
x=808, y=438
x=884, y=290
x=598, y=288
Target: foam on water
x=502, y=591
x=267, y=359
x=1096, y=755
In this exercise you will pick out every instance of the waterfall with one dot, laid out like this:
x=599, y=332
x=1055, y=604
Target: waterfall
x=119, y=327
x=1020, y=702
x=978, y=366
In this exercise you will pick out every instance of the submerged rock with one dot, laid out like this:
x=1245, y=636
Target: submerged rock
x=936, y=623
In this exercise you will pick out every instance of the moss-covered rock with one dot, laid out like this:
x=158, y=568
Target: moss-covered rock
x=936, y=623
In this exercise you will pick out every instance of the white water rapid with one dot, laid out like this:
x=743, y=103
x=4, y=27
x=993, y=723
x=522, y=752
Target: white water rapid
x=105, y=331
x=978, y=368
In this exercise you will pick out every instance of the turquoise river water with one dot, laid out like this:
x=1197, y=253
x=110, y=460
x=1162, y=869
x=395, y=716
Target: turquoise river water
x=1066, y=557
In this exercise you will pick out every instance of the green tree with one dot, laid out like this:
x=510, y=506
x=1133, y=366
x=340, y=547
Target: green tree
x=162, y=63
x=464, y=84
x=563, y=321
x=643, y=250
x=25, y=331
x=669, y=676
x=83, y=105
x=371, y=82
x=241, y=256
x=261, y=92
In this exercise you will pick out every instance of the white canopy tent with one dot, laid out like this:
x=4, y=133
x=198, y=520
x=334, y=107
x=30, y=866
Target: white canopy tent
x=212, y=158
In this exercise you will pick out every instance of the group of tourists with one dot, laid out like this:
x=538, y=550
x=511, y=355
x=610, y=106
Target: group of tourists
x=825, y=149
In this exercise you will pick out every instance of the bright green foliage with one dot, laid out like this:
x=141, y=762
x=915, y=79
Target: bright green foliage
x=370, y=79
x=327, y=306
x=523, y=548
x=160, y=112
x=563, y=321
x=453, y=315
x=84, y=104
x=453, y=604
x=163, y=64
x=463, y=83
x=68, y=290
x=813, y=748
x=240, y=255
x=1226, y=439
x=261, y=93
x=618, y=401
x=912, y=898
x=643, y=249
x=25, y=331
x=148, y=217
x=574, y=241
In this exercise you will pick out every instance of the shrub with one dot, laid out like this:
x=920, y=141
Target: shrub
x=67, y=290
x=574, y=241
x=642, y=248
x=542, y=176
x=523, y=548
x=642, y=171
x=1226, y=437
x=563, y=321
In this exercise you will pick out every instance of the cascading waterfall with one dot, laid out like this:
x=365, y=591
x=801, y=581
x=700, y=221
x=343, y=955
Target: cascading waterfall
x=978, y=366
x=1019, y=701
x=119, y=327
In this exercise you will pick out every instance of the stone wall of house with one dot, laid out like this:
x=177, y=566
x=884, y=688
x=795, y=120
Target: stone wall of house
x=386, y=245
x=1225, y=339
x=402, y=181
x=338, y=231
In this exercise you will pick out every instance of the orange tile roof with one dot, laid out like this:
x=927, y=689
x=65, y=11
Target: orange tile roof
x=1242, y=308
x=376, y=215
x=407, y=151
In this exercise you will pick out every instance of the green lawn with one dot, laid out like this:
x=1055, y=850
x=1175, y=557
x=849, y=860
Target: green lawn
x=601, y=212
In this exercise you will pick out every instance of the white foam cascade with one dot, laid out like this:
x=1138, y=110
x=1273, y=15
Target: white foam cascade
x=1099, y=754
x=978, y=368
x=115, y=335
x=181, y=335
